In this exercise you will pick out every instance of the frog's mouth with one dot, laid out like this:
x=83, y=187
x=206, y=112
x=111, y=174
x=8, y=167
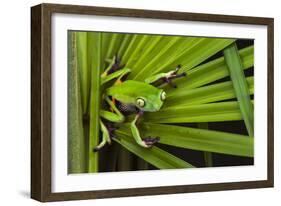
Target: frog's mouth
x=153, y=108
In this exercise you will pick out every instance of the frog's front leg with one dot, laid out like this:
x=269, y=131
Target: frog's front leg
x=167, y=78
x=145, y=142
x=115, y=116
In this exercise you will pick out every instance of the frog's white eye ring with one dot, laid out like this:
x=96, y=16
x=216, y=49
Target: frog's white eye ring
x=140, y=102
x=163, y=96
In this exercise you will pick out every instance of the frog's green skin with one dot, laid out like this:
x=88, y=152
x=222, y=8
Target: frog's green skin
x=130, y=91
x=142, y=95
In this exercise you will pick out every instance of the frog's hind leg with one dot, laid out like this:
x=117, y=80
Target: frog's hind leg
x=107, y=130
x=114, y=65
x=115, y=115
x=120, y=75
x=105, y=137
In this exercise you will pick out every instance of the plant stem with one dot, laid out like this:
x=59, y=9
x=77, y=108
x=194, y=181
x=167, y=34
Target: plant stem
x=95, y=100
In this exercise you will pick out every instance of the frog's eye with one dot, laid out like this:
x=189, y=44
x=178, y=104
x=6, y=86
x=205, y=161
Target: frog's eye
x=163, y=96
x=140, y=102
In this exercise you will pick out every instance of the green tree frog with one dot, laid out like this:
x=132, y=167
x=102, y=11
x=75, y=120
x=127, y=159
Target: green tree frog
x=131, y=96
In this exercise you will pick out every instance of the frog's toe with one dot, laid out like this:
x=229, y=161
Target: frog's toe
x=114, y=137
x=96, y=149
x=174, y=75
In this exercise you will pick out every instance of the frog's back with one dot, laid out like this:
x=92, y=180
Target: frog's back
x=129, y=90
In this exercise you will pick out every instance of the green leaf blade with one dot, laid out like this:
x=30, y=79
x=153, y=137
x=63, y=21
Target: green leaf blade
x=155, y=156
x=134, y=42
x=114, y=44
x=199, y=139
x=83, y=68
x=205, y=94
x=156, y=57
x=94, y=100
x=124, y=44
x=195, y=51
x=212, y=71
x=76, y=140
x=212, y=112
x=240, y=86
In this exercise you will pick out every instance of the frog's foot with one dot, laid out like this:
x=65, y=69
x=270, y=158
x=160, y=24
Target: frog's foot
x=107, y=135
x=174, y=75
x=100, y=146
x=111, y=130
x=150, y=141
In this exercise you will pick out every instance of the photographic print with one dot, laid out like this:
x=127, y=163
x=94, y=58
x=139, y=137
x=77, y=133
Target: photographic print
x=148, y=102
x=129, y=102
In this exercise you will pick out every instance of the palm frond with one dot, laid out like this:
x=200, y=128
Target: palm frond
x=212, y=71
x=197, y=139
x=206, y=94
x=155, y=156
x=240, y=86
x=212, y=112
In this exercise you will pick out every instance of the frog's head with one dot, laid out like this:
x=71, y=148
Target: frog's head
x=144, y=96
x=152, y=101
